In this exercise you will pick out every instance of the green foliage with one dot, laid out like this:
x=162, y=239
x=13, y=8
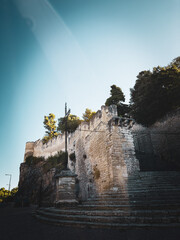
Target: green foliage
x=72, y=157
x=116, y=98
x=57, y=161
x=156, y=93
x=87, y=116
x=6, y=195
x=72, y=123
x=30, y=160
x=175, y=62
x=14, y=191
x=50, y=125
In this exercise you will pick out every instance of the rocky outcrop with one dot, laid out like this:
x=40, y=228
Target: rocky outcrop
x=36, y=185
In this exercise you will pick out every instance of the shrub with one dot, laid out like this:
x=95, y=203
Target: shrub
x=31, y=160
x=57, y=161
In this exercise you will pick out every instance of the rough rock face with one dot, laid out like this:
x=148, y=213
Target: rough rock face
x=37, y=186
x=158, y=147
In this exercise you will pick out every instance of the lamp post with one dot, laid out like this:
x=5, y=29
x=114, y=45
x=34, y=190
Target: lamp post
x=66, y=119
x=10, y=175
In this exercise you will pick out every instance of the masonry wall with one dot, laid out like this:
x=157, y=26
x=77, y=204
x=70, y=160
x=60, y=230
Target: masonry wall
x=158, y=147
x=104, y=151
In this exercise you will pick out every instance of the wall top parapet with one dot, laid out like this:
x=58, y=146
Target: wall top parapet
x=103, y=115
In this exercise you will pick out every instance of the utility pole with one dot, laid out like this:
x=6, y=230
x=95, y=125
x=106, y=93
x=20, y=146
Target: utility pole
x=10, y=175
x=66, y=118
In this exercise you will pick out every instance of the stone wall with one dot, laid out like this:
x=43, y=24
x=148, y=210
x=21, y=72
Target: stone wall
x=29, y=150
x=104, y=152
x=158, y=147
x=36, y=185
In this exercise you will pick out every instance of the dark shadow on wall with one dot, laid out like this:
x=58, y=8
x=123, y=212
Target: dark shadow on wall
x=157, y=151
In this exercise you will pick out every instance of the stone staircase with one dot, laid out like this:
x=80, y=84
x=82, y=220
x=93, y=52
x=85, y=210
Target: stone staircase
x=149, y=199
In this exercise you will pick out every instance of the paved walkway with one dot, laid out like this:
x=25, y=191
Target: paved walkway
x=18, y=224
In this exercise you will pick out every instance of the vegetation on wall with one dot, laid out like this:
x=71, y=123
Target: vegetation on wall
x=87, y=116
x=57, y=161
x=50, y=126
x=30, y=160
x=72, y=123
x=116, y=98
x=156, y=93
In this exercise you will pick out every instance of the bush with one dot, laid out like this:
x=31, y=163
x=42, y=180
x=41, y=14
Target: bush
x=33, y=160
x=8, y=196
x=57, y=161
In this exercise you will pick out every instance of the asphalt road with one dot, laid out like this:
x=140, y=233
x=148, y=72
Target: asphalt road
x=18, y=224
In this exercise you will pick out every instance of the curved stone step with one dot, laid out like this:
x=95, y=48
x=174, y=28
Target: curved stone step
x=167, y=212
x=148, y=199
x=134, y=202
x=128, y=206
x=164, y=192
x=135, y=198
x=111, y=219
x=105, y=225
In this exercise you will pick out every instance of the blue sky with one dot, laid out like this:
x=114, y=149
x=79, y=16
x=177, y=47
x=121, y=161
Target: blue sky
x=72, y=51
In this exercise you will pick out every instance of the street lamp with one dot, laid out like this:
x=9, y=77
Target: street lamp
x=10, y=175
x=66, y=119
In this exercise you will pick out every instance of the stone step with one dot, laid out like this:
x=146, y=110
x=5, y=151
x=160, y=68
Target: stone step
x=137, y=206
x=77, y=223
x=135, y=198
x=134, y=202
x=152, y=174
x=167, y=212
x=143, y=181
x=137, y=181
x=153, y=179
x=150, y=185
x=149, y=199
x=139, y=195
x=151, y=191
x=112, y=219
x=155, y=185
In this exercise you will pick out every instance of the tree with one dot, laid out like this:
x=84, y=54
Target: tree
x=87, y=116
x=6, y=195
x=50, y=125
x=155, y=94
x=116, y=98
x=72, y=123
x=176, y=62
x=14, y=191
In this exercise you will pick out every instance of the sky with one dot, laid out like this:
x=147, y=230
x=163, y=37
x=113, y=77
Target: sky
x=72, y=51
